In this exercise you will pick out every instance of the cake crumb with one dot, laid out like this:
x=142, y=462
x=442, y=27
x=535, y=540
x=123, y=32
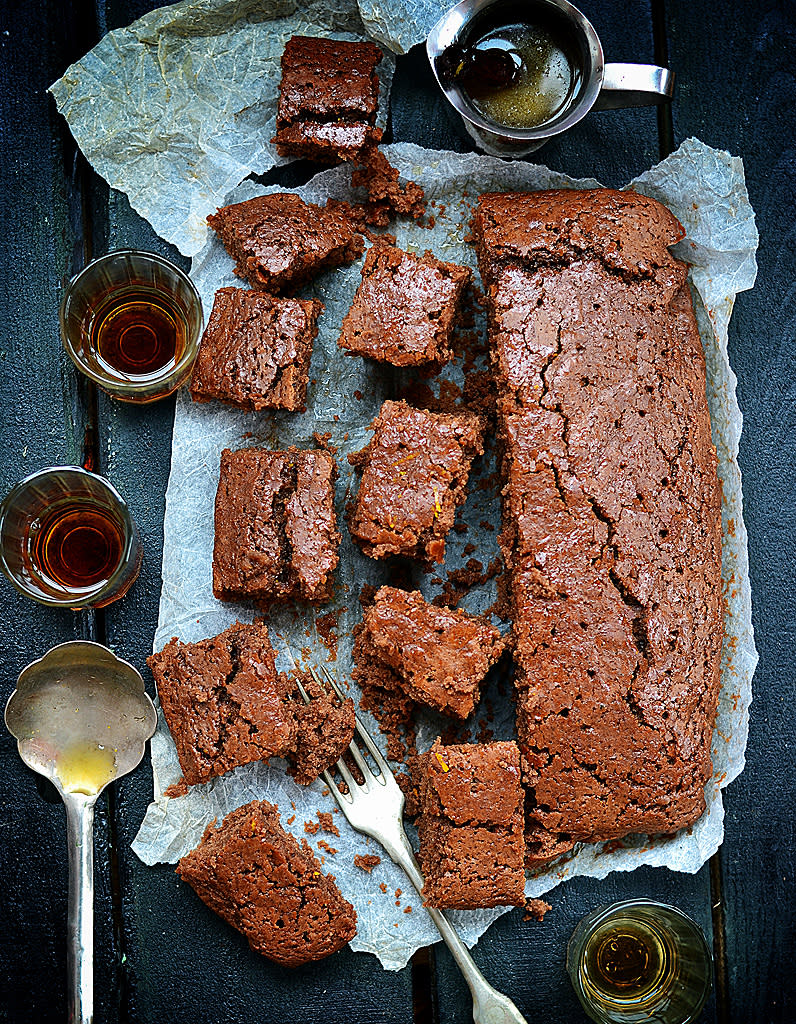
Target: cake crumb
x=179, y=788
x=367, y=862
x=291, y=819
x=535, y=910
x=383, y=887
x=327, y=824
x=323, y=845
x=312, y=828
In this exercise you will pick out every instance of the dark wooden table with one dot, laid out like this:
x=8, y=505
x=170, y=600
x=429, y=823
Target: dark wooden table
x=160, y=956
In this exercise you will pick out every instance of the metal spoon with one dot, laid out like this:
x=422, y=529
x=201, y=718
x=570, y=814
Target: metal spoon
x=81, y=718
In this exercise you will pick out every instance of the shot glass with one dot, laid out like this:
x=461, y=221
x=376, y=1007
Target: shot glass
x=640, y=961
x=67, y=539
x=131, y=321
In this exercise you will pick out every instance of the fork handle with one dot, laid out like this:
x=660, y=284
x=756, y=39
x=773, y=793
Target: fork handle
x=489, y=1005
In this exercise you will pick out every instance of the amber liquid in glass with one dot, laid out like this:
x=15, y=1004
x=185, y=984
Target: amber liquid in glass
x=76, y=546
x=627, y=962
x=138, y=331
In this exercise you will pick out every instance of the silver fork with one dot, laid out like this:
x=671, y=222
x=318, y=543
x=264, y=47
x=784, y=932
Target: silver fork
x=375, y=807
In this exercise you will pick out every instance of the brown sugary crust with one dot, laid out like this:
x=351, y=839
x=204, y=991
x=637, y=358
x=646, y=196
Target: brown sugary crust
x=276, y=534
x=328, y=98
x=223, y=700
x=270, y=887
x=440, y=655
x=256, y=349
x=612, y=511
x=470, y=826
x=414, y=475
x=279, y=242
x=405, y=308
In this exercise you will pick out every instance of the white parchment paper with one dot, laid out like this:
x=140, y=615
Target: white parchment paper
x=178, y=108
x=705, y=189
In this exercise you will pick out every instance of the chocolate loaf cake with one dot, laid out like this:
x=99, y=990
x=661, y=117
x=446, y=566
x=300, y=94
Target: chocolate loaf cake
x=270, y=887
x=612, y=520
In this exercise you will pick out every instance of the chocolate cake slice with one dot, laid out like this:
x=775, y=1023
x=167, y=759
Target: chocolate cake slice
x=224, y=702
x=440, y=655
x=256, y=349
x=405, y=308
x=279, y=242
x=414, y=475
x=263, y=882
x=328, y=98
x=470, y=825
x=276, y=534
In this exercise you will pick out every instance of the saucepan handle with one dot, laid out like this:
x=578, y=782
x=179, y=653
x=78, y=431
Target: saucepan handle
x=634, y=85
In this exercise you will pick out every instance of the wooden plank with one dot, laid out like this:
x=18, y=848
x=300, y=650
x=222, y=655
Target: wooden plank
x=43, y=423
x=735, y=67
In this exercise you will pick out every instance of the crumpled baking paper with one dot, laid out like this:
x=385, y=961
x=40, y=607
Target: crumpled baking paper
x=705, y=189
x=400, y=25
x=178, y=108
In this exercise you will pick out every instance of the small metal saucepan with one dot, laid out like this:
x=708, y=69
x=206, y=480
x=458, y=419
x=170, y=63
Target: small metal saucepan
x=600, y=86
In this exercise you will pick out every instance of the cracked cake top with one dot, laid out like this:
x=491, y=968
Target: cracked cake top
x=612, y=511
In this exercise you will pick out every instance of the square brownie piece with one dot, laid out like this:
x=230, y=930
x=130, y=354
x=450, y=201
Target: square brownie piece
x=440, y=655
x=256, y=349
x=471, y=825
x=279, y=242
x=224, y=702
x=328, y=98
x=262, y=881
x=414, y=474
x=405, y=308
x=276, y=533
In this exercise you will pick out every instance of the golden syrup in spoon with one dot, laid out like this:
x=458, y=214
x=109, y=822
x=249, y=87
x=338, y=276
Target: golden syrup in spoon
x=85, y=768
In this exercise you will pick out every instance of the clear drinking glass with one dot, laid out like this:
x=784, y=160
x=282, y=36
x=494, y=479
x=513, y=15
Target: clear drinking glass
x=640, y=961
x=132, y=321
x=67, y=539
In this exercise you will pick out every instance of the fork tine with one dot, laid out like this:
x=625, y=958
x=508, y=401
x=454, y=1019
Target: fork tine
x=349, y=779
x=341, y=798
x=302, y=691
x=332, y=682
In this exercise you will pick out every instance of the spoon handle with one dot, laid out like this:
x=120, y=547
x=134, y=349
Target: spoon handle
x=80, y=950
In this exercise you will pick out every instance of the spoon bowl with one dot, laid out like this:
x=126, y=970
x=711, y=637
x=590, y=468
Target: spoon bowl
x=81, y=718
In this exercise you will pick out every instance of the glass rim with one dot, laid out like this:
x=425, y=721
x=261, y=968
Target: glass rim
x=131, y=539
x=130, y=383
